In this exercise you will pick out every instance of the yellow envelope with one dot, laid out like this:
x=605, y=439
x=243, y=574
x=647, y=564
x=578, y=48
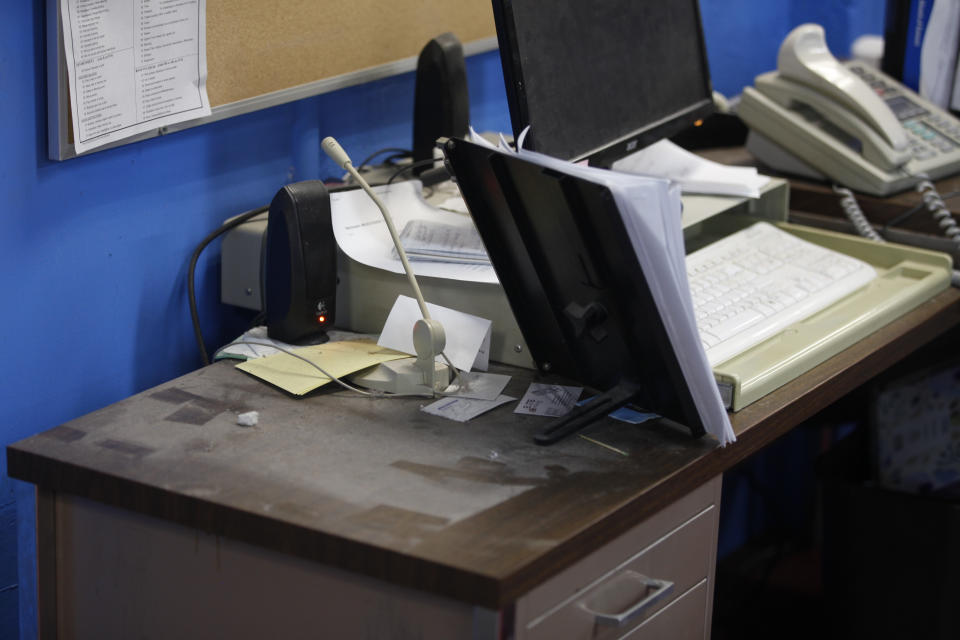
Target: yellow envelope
x=339, y=359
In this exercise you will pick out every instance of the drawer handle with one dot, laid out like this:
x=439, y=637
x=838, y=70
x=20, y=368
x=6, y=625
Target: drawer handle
x=614, y=604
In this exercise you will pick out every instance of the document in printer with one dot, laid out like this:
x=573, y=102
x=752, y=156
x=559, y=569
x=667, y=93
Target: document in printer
x=650, y=209
x=133, y=66
x=441, y=242
x=361, y=233
x=694, y=174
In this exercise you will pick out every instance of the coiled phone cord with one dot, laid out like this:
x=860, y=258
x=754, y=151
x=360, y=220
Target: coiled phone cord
x=851, y=209
x=937, y=208
x=932, y=200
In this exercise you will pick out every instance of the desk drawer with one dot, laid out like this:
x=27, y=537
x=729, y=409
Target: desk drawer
x=683, y=619
x=674, y=546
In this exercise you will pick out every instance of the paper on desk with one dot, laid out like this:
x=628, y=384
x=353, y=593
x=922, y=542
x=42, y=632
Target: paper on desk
x=548, y=399
x=463, y=409
x=362, y=234
x=243, y=348
x=625, y=413
x=133, y=68
x=480, y=386
x=632, y=416
x=255, y=343
x=339, y=359
x=468, y=337
x=694, y=174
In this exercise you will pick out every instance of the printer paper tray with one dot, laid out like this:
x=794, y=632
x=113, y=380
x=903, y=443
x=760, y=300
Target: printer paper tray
x=907, y=277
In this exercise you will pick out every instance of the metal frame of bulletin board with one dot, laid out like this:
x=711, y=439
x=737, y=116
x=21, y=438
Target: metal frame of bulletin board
x=263, y=54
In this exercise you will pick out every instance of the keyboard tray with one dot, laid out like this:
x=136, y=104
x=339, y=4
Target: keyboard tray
x=907, y=277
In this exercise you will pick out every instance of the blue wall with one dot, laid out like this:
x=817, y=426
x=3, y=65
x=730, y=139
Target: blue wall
x=93, y=251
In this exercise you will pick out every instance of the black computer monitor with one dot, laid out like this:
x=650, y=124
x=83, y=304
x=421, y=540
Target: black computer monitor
x=598, y=80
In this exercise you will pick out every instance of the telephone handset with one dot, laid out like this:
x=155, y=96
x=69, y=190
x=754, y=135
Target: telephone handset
x=845, y=122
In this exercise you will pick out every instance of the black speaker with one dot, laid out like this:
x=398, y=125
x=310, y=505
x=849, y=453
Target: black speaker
x=300, y=270
x=441, y=104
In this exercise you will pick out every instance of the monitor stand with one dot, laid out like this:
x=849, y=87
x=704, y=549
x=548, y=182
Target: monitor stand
x=584, y=415
x=599, y=406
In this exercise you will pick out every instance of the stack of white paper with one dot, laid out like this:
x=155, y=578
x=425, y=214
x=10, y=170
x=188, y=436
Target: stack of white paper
x=650, y=209
x=694, y=174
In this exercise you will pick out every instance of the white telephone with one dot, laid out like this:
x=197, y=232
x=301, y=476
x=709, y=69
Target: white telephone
x=848, y=123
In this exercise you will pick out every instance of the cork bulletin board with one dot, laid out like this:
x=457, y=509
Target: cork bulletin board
x=261, y=54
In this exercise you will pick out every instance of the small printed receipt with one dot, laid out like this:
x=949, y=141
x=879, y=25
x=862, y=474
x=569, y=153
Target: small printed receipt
x=548, y=400
x=463, y=409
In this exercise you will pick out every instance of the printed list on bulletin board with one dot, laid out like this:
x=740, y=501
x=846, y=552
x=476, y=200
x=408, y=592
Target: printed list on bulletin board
x=133, y=66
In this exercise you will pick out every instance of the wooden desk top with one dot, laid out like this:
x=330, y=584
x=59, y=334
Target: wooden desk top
x=472, y=511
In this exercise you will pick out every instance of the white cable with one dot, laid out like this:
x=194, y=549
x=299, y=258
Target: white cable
x=851, y=209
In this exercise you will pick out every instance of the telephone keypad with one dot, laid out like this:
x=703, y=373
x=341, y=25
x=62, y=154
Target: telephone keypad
x=926, y=141
x=928, y=135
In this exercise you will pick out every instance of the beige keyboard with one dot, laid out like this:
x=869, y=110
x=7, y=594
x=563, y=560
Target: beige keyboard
x=757, y=282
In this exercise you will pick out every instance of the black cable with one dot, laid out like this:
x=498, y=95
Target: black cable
x=392, y=159
x=397, y=151
x=909, y=212
x=408, y=167
x=261, y=317
x=191, y=292
x=932, y=201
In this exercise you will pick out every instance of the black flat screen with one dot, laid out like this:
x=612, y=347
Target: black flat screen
x=598, y=79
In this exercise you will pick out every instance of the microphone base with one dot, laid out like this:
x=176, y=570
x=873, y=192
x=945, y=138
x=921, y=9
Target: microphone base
x=404, y=376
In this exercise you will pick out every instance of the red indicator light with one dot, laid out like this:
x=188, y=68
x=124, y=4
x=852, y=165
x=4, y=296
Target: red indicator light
x=321, y=319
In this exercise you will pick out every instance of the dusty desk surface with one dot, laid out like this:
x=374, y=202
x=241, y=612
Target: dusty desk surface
x=473, y=511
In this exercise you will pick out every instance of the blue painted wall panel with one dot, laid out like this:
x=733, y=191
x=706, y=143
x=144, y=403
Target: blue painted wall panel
x=93, y=251
x=8, y=541
x=743, y=36
x=8, y=610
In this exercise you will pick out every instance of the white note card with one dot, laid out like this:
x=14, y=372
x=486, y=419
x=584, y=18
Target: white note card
x=468, y=336
x=548, y=400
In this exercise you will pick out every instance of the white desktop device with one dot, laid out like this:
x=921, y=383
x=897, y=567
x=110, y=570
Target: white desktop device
x=820, y=118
